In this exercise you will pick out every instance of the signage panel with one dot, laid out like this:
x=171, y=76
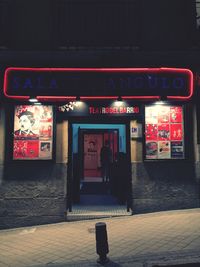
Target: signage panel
x=80, y=108
x=98, y=83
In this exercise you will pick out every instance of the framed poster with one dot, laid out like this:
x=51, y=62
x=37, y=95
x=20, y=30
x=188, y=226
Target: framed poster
x=164, y=132
x=33, y=132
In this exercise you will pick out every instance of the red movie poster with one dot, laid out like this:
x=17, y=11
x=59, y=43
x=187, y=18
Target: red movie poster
x=176, y=114
x=26, y=149
x=176, y=132
x=163, y=132
x=151, y=131
x=32, y=125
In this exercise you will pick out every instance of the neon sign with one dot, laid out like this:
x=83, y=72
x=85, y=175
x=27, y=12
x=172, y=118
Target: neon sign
x=98, y=83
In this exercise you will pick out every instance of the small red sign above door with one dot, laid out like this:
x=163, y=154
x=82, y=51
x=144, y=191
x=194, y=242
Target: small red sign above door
x=115, y=108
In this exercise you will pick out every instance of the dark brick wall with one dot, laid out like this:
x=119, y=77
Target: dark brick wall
x=35, y=200
x=164, y=186
x=41, y=198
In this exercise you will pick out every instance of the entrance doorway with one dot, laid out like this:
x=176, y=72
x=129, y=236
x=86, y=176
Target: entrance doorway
x=94, y=187
x=90, y=193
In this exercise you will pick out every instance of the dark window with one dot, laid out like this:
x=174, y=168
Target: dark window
x=97, y=23
x=3, y=23
x=146, y=24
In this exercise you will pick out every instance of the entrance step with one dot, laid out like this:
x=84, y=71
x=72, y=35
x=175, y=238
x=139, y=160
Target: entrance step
x=94, y=188
x=102, y=200
x=80, y=212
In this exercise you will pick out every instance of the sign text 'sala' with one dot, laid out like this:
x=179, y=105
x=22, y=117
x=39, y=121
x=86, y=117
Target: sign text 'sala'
x=102, y=83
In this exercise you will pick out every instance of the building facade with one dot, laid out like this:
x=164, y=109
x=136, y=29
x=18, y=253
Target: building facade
x=140, y=93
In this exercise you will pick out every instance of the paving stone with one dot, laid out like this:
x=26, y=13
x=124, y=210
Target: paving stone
x=142, y=237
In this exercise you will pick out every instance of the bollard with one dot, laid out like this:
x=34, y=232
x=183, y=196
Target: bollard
x=101, y=242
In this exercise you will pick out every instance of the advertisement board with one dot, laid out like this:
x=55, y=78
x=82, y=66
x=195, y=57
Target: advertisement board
x=164, y=132
x=33, y=132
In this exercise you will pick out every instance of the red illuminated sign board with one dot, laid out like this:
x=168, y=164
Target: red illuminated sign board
x=80, y=108
x=98, y=83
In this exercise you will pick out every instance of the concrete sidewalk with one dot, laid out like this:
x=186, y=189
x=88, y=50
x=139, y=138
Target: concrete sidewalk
x=146, y=240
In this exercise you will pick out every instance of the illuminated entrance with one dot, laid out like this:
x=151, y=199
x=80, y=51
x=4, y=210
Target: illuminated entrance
x=89, y=189
x=92, y=143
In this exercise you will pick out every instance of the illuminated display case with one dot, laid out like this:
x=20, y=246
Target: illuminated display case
x=33, y=132
x=164, y=132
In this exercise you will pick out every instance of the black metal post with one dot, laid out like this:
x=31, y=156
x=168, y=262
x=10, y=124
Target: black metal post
x=101, y=242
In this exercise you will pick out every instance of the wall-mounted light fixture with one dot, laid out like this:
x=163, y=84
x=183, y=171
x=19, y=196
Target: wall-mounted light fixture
x=118, y=102
x=119, y=98
x=162, y=98
x=33, y=99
